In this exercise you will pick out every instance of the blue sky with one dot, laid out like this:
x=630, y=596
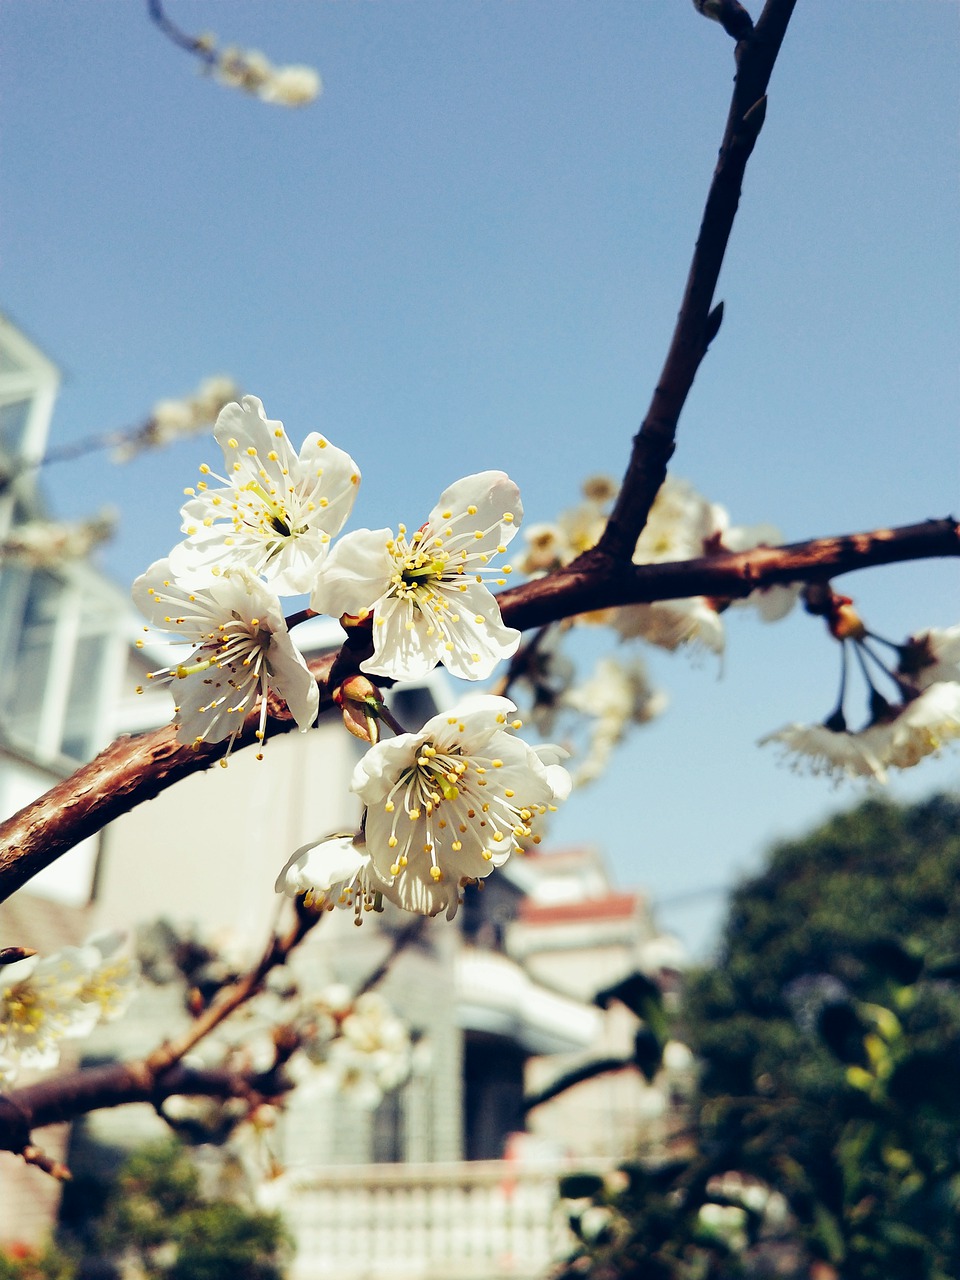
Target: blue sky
x=469, y=253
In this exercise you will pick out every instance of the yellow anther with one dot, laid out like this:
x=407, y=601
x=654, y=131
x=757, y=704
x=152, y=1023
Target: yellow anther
x=436, y=873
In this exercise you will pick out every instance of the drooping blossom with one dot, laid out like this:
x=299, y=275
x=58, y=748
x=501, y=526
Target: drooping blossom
x=333, y=872
x=426, y=591
x=277, y=512
x=447, y=805
x=242, y=651
x=900, y=738
x=673, y=624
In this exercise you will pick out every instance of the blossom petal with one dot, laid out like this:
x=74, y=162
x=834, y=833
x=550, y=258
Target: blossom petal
x=355, y=575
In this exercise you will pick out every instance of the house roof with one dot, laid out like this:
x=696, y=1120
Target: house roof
x=29, y=920
x=612, y=906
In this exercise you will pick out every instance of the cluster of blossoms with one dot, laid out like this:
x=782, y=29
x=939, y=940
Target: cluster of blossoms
x=922, y=717
x=682, y=525
x=59, y=997
x=172, y=420
x=442, y=807
x=45, y=544
x=356, y=1048
x=252, y=72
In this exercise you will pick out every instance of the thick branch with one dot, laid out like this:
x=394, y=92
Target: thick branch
x=654, y=443
x=133, y=770
x=65, y=1097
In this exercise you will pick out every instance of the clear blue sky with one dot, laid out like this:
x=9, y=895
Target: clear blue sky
x=469, y=254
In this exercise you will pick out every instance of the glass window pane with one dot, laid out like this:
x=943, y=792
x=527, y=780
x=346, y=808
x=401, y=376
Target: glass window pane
x=25, y=679
x=83, y=702
x=13, y=422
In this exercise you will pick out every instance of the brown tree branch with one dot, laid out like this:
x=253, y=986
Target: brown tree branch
x=133, y=770
x=161, y=1074
x=697, y=322
x=76, y=1093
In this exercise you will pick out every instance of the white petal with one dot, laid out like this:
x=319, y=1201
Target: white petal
x=494, y=495
x=355, y=575
x=321, y=865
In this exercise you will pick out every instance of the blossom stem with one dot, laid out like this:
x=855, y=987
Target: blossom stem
x=905, y=689
x=388, y=718
x=837, y=713
x=302, y=615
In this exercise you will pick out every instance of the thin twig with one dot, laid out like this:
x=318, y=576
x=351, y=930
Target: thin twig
x=179, y=37
x=231, y=998
x=654, y=443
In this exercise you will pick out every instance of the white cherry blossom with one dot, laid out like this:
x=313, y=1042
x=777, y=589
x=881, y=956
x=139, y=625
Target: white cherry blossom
x=836, y=753
x=931, y=656
x=46, y=1000
x=426, y=591
x=449, y=804
x=276, y=513
x=670, y=624
x=333, y=872
x=900, y=739
x=925, y=725
x=243, y=650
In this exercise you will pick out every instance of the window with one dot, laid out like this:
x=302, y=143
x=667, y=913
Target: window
x=13, y=423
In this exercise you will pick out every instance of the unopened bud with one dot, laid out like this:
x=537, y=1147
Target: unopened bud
x=10, y=955
x=360, y=703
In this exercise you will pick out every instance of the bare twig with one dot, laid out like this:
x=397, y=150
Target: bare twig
x=133, y=770
x=192, y=44
x=161, y=1074
x=697, y=321
x=587, y=1071
x=231, y=998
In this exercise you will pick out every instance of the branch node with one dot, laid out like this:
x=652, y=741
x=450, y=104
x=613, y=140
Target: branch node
x=753, y=119
x=712, y=327
x=56, y=1169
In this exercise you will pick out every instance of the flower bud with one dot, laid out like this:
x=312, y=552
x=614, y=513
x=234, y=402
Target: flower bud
x=360, y=702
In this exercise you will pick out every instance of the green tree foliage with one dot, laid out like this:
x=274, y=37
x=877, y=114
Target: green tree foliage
x=156, y=1216
x=49, y=1263
x=829, y=1035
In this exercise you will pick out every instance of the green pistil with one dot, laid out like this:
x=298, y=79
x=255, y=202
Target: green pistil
x=182, y=672
x=278, y=517
x=412, y=576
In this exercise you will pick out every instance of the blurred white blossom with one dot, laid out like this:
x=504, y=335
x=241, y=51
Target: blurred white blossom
x=254, y=73
x=60, y=996
x=616, y=695
x=173, y=420
x=901, y=738
x=47, y=544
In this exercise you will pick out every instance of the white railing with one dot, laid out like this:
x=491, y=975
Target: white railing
x=468, y=1221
